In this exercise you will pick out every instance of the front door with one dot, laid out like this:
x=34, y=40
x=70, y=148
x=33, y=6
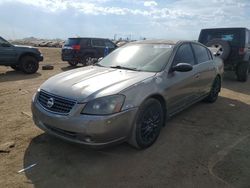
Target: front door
x=7, y=53
x=182, y=88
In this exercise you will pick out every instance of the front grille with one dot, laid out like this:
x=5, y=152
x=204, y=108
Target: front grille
x=59, y=105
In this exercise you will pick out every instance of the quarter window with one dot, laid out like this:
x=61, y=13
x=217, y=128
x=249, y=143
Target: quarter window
x=201, y=53
x=184, y=55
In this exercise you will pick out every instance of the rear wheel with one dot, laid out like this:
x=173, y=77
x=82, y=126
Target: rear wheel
x=29, y=64
x=15, y=67
x=148, y=124
x=242, y=72
x=215, y=90
x=73, y=63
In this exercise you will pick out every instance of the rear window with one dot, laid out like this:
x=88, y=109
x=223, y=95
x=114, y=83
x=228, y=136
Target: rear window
x=232, y=36
x=72, y=41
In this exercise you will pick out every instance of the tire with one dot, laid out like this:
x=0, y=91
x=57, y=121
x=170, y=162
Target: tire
x=73, y=63
x=29, y=65
x=15, y=67
x=215, y=90
x=222, y=46
x=148, y=123
x=242, y=72
x=87, y=60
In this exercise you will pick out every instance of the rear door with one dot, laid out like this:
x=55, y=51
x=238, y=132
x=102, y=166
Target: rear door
x=110, y=46
x=205, y=68
x=8, y=54
x=183, y=85
x=99, y=46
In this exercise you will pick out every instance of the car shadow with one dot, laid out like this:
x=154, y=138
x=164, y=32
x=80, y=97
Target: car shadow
x=230, y=82
x=17, y=75
x=177, y=159
x=71, y=68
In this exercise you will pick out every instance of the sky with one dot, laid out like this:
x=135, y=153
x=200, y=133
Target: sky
x=153, y=19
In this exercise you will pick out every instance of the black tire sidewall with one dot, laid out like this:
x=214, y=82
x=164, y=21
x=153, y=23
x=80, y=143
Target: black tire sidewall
x=73, y=63
x=211, y=97
x=34, y=65
x=147, y=104
x=242, y=71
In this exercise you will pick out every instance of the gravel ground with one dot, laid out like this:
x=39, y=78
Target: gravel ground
x=204, y=146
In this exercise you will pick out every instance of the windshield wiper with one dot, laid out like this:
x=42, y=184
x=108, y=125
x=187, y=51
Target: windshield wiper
x=121, y=67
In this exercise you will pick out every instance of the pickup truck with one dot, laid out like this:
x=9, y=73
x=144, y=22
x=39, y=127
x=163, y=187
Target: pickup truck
x=24, y=58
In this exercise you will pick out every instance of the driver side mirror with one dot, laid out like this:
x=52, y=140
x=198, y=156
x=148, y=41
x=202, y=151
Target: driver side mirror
x=182, y=67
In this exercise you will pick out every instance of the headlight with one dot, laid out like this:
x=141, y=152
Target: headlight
x=104, y=105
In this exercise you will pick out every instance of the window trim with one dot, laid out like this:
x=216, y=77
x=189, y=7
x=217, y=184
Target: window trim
x=97, y=45
x=208, y=53
x=185, y=43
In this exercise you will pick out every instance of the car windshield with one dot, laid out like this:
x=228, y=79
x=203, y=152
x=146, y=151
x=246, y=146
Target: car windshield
x=140, y=57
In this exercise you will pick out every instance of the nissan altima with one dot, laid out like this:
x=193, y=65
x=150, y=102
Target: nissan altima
x=129, y=94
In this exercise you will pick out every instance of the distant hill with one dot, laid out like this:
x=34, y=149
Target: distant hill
x=32, y=41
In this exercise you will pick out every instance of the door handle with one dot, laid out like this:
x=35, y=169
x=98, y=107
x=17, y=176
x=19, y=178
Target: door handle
x=197, y=75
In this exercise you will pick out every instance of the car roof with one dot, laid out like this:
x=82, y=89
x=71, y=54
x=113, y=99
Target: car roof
x=156, y=41
x=88, y=38
x=164, y=41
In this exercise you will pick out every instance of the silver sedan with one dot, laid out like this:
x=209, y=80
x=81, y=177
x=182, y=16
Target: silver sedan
x=128, y=95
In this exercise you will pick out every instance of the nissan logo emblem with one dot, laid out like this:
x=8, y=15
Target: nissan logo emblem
x=50, y=102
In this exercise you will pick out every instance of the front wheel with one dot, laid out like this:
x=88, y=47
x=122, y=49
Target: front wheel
x=148, y=124
x=29, y=64
x=215, y=90
x=87, y=60
x=73, y=63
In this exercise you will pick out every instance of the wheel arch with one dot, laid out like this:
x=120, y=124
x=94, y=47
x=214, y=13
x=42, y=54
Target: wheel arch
x=162, y=101
x=27, y=54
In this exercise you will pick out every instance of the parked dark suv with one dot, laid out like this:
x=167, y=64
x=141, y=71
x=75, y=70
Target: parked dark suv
x=80, y=50
x=24, y=58
x=233, y=46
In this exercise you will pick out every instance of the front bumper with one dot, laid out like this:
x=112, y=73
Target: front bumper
x=89, y=130
x=40, y=57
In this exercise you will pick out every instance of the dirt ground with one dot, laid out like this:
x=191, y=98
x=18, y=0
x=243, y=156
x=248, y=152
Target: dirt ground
x=205, y=146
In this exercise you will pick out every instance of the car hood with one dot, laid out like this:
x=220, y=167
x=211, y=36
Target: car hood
x=23, y=46
x=91, y=82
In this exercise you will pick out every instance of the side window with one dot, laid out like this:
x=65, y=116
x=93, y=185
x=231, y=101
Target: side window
x=98, y=43
x=184, y=54
x=201, y=53
x=85, y=42
x=109, y=44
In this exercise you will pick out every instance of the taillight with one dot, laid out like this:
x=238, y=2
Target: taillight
x=242, y=51
x=76, y=47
